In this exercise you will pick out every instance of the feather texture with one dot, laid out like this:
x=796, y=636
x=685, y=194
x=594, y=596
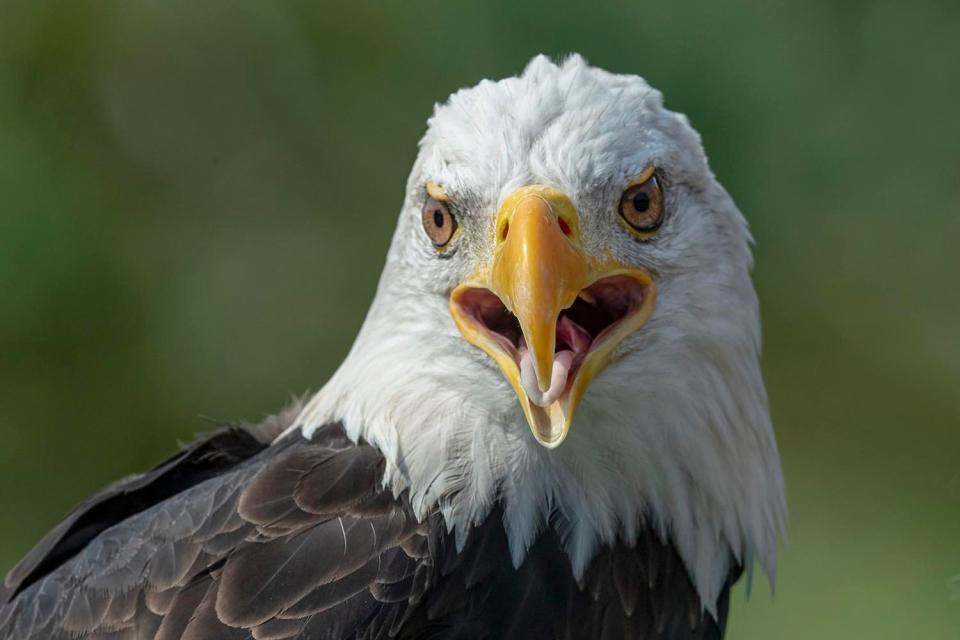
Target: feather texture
x=299, y=540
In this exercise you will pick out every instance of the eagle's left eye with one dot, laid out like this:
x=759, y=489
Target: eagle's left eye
x=641, y=207
x=438, y=222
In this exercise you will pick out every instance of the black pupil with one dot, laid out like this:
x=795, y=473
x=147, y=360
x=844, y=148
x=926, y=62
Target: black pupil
x=641, y=201
x=438, y=217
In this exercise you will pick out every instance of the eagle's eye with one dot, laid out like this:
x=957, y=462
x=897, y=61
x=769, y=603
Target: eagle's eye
x=438, y=222
x=641, y=207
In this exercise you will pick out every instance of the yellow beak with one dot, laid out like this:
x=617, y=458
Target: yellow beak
x=539, y=269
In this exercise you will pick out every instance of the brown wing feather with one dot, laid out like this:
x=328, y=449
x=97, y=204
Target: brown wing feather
x=224, y=549
x=299, y=540
x=205, y=458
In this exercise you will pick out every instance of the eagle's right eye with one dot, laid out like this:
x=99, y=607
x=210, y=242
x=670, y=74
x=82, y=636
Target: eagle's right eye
x=438, y=222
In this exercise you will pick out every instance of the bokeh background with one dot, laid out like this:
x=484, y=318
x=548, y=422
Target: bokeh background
x=196, y=197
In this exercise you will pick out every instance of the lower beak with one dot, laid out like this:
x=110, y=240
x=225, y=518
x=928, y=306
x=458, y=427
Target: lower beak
x=547, y=313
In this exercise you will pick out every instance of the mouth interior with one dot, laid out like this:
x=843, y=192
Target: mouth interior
x=581, y=328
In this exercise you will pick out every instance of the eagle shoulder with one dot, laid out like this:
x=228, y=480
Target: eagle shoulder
x=298, y=538
x=230, y=537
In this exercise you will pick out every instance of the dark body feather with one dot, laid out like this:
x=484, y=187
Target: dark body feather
x=238, y=538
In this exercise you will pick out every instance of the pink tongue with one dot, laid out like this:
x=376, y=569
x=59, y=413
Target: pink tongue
x=558, y=378
x=573, y=335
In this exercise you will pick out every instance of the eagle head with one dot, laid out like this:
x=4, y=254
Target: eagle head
x=566, y=326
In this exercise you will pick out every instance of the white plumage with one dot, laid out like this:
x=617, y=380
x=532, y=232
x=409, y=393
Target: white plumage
x=674, y=433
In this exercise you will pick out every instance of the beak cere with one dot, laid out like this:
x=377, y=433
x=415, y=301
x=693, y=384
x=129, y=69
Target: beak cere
x=547, y=313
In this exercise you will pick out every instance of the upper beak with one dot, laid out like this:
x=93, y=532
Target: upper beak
x=539, y=269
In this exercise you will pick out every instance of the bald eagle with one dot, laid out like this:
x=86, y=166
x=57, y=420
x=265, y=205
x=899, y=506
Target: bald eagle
x=552, y=423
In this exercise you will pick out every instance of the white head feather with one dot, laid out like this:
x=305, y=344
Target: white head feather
x=674, y=434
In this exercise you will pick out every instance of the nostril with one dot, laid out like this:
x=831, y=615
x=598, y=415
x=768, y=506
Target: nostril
x=564, y=226
x=504, y=230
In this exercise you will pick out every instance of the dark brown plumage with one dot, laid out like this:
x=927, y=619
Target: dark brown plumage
x=237, y=538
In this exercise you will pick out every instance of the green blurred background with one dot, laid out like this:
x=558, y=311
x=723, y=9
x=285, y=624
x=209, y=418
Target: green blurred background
x=195, y=201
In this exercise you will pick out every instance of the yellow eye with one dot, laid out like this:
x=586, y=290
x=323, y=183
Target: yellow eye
x=438, y=222
x=641, y=207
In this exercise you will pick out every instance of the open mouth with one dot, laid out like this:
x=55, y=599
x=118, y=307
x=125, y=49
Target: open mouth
x=584, y=328
x=547, y=312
